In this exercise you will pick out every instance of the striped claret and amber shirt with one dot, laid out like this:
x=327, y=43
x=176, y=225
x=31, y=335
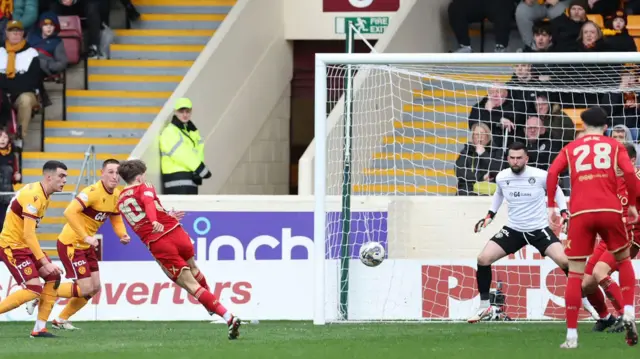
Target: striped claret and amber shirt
x=87, y=212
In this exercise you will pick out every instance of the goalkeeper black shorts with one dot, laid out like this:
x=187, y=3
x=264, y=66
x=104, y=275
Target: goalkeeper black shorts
x=512, y=241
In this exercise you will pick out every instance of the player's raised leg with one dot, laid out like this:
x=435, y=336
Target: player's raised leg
x=197, y=273
x=591, y=290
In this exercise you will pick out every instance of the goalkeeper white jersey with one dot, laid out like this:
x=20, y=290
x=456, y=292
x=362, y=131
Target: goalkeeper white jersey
x=526, y=196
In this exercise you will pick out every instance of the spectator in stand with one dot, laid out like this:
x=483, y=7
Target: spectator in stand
x=622, y=107
x=530, y=12
x=560, y=129
x=542, y=39
x=565, y=29
x=605, y=8
x=522, y=99
x=25, y=11
x=478, y=161
x=96, y=12
x=496, y=111
x=20, y=74
x=622, y=134
x=538, y=145
x=465, y=12
x=616, y=35
x=50, y=47
x=9, y=171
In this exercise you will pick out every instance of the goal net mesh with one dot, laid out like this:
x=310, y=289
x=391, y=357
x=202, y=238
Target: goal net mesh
x=421, y=145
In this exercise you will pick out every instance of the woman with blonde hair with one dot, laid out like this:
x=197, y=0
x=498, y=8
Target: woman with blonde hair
x=478, y=161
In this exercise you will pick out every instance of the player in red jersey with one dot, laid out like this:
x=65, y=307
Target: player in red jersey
x=593, y=161
x=167, y=241
x=602, y=263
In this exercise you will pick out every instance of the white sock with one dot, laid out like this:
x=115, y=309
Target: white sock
x=484, y=304
x=572, y=333
x=227, y=316
x=40, y=324
x=60, y=320
x=629, y=311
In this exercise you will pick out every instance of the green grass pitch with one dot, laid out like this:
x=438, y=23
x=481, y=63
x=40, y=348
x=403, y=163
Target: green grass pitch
x=182, y=340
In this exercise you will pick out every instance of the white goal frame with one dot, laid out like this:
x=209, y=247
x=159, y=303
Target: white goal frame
x=321, y=131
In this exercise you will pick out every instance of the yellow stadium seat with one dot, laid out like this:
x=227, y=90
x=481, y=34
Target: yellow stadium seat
x=597, y=19
x=637, y=41
x=633, y=25
x=574, y=114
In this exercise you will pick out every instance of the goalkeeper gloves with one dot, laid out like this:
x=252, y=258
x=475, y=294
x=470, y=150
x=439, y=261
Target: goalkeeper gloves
x=483, y=223
x=564, y=214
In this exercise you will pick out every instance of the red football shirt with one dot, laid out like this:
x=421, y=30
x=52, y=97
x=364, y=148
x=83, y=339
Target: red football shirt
x=593, y=161
x=623, y=194
x=140, y=206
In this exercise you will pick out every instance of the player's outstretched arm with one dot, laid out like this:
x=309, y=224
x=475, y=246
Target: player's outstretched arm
x=73, y=216
x=498, y=198
x=31, y=239
x=118, y=226
x=559, y=164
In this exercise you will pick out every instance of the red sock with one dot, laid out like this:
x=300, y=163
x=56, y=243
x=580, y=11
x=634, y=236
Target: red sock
x=210, y=302
x=202, y=280
x=627, y=281
x=573, y=299
x=597, y=300
x=613, y=293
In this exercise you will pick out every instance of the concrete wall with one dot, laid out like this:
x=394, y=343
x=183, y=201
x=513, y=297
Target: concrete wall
x=419, y=27
x=237, y=86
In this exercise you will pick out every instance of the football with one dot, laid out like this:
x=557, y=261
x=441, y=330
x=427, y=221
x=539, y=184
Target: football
x=372, y=254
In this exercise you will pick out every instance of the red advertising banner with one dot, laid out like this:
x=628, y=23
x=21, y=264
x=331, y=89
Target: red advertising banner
x=360, y=5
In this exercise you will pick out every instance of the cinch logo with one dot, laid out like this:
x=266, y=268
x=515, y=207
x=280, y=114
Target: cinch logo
x=260, y=247
x=79, y=263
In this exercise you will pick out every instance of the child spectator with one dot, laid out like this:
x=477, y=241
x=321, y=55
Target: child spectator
x=9, y=171
x=45, y=39
x=616, y=35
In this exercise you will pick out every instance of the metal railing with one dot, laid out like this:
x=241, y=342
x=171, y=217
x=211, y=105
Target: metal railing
x=88, y=173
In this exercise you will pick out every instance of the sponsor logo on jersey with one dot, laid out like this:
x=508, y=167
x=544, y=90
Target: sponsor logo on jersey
x=83, y=196
x=32, y=209
x=518, y=194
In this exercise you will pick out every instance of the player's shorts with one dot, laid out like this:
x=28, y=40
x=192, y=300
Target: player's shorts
x=22, y=264
x=601, y=254
x=584, y=228
x=172, y=251
x=512, y=241
x=78, y=263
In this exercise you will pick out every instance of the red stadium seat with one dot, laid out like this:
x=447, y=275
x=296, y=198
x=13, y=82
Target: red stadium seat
x=71, y=34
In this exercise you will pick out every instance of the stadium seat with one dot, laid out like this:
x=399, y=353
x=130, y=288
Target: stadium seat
x=71, y=34
x=574, y=114
x=597, y=19
x=633, y=25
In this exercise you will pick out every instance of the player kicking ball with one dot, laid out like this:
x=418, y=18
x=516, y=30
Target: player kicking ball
x=602, y=263
x=593, y=162
x=169, y=244
x=524, y=188
x=19, y=247
x=77, y=245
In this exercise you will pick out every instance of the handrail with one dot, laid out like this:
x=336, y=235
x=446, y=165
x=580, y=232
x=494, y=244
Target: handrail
x=87, y=173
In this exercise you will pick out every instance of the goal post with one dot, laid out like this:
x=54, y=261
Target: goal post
x=405, y=127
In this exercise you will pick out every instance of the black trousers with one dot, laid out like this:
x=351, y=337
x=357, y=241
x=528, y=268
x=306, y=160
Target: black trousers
x=95, y=11
x=465, y=12
x=181, y=190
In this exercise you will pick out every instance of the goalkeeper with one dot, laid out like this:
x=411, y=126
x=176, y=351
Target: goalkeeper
x=524, y=189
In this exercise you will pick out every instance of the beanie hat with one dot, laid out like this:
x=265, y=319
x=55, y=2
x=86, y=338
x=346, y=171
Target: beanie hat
x=581, y=3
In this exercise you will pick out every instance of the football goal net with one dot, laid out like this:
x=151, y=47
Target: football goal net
x=407, y=147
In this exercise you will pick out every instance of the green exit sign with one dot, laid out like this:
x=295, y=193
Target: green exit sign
x=363, y=24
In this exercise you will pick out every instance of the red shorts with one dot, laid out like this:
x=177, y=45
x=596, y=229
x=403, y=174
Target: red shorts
x=22, y=264
x=584, y=228
x=172, y=251
x=78, y=263
x=601, y=254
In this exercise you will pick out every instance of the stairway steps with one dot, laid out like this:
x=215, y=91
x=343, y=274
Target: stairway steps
x=159, y=83
x=139, y=67
x=102, y=145
x=179, y=21
x=100, y=129
x=155, y=52
x=109, y=113
x=73, y=160
x=163, y=37
x=184, y=6
x=116, y=98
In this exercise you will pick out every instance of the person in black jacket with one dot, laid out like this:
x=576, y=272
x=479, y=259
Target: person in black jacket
x=20, y=74
x=565, y=29
x=538, y=145
x=478, y=161
x=9, y=171
x=616, y=34
x=497, y=112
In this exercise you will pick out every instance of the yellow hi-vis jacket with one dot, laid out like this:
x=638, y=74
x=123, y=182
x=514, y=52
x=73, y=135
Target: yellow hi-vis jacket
x=182, y=155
